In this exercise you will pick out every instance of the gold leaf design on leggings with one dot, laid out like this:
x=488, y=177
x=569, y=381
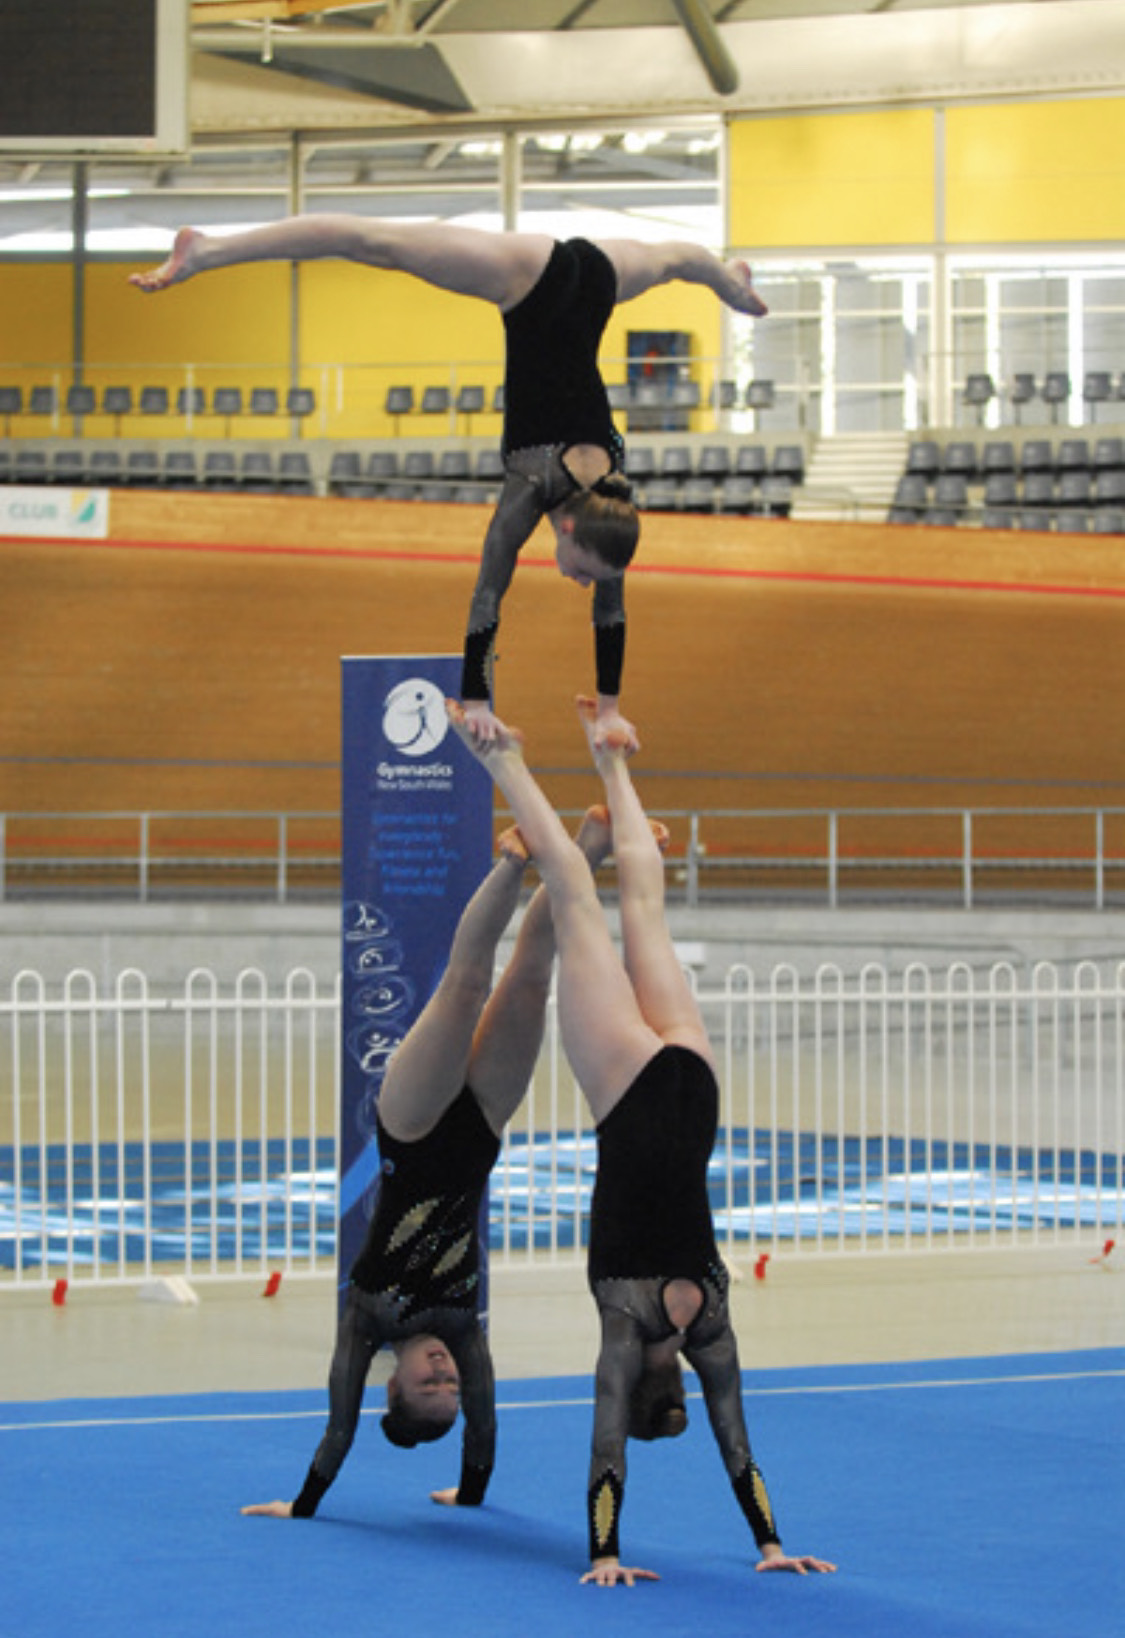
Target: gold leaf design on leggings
x=605, y=1508
x=761, y=1496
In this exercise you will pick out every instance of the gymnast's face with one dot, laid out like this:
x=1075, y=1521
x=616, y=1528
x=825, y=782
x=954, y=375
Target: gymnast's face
x=426, y=1379
x=579, y=563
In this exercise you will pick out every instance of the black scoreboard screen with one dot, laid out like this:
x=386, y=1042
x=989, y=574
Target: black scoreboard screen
x=93, y=74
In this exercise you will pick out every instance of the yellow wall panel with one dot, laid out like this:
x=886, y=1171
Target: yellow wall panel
x=35, y=312
x=237, y=316
x=389, y=329
x=824, y=179
x=35, y=332
x=1036, y=171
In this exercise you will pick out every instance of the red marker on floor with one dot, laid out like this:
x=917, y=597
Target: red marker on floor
x=1105, y=1251
x=760, y=1266
x=271, y=1285
x=58, y=1295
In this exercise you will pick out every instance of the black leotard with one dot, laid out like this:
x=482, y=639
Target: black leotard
x=418, y=1273
x=554, y=398
x=553, y=390
x=650, y=1222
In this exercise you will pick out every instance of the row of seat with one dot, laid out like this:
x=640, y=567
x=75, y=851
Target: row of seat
x=254, y=471
x=400, y=400
x=1039, y=520
x=1076, y=488
x=744, y=479
x=675, y=478
x=681, y=463
x=739, y=493
x=229, y=403
x=672, y=393
x=226, y=403
x=1055, y=390
x=384, y=472
x=928, y=458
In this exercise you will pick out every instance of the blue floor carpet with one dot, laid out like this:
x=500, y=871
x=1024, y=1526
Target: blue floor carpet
x=964, y=1498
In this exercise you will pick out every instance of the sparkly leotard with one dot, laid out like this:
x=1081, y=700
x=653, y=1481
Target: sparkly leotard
x=651, y=1223
x=554, y=398
x=418, y=1273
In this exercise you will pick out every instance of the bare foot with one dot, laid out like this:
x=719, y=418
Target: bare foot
x=661, y=834
x=739, y=293
x=512, y=845
x=181, y=264
x=615, y=743
x=595, y=835
x=503, y=738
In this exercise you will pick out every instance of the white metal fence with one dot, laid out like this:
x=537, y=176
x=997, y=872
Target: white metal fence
x=146, y=1134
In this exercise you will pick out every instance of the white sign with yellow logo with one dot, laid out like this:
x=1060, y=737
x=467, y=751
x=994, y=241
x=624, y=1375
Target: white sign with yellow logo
x=61, y=514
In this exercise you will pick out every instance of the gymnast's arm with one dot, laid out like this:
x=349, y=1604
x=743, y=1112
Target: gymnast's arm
x=620, y=1363
x=716, y=1364
x=357, y=1340
x=519, y=509
x=609, y=657
x=478, y=1403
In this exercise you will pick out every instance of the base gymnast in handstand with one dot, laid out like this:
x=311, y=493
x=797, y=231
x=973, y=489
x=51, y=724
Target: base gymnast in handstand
x=636, y=1041
x=563, y=456
x=450, y=1089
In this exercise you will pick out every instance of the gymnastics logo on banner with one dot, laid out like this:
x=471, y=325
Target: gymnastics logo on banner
x=416, y=841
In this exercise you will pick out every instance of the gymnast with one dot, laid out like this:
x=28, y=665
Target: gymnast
x=563, y=456
x=449, y=1091
x=636, y=1041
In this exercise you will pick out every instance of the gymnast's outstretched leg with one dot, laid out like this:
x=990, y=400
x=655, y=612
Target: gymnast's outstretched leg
x=496, y=267
x=640, y=267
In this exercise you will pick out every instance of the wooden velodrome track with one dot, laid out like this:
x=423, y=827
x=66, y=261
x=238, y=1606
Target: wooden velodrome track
x=193, y=661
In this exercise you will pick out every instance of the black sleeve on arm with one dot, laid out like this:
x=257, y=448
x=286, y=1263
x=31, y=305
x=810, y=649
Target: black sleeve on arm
x=609, y=635
x=357, y=1340
x=716, y=1362
x=619, y=1368
x=518, y=511
x=478, y=1402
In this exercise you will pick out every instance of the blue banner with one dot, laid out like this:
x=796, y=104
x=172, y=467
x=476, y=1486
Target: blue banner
x=416, y=841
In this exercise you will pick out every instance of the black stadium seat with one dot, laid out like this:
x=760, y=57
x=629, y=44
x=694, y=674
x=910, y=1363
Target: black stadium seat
x=11, y=403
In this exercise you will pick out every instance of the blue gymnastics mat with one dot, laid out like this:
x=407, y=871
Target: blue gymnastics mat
x=959, y=1498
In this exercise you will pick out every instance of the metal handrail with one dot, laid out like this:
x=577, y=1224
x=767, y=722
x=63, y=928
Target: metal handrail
x=150, y=861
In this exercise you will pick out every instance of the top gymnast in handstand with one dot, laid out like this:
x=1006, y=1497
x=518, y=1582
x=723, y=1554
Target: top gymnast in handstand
x=638, y=1046
x=562, y=453
x=449, y=1091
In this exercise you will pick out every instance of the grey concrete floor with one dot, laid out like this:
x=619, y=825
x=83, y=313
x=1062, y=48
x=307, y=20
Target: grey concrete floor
x=808, y=1310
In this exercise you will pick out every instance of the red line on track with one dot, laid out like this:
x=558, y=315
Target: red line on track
x=689, y=571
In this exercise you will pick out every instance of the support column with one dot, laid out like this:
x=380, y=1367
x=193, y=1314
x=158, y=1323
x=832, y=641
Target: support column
x=511, y=180
x=79, y=217
x=939, y=398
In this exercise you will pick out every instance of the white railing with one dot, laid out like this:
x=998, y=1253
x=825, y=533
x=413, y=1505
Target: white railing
x=194, y=1134
x=958, y=856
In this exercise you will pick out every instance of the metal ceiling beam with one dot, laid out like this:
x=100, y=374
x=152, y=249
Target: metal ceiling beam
x=393, y=24
x=206, y=13
x=717, y=61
